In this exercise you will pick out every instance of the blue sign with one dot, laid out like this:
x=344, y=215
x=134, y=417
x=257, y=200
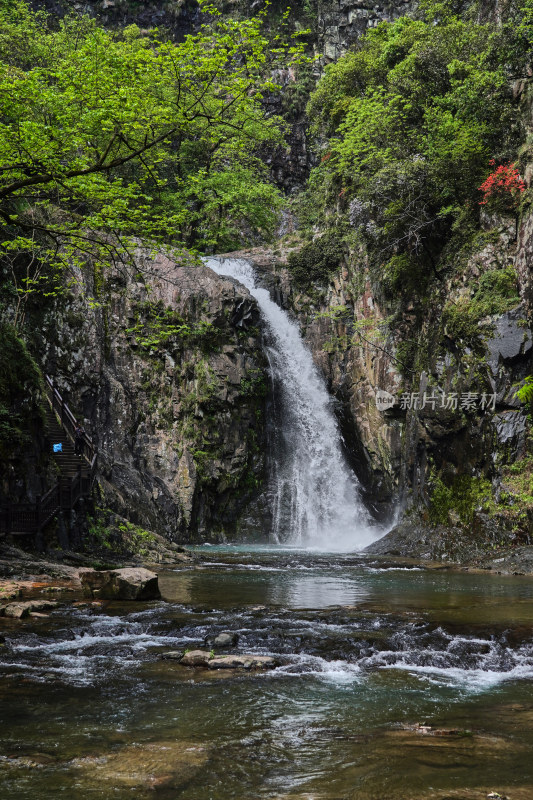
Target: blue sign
x=58, y=448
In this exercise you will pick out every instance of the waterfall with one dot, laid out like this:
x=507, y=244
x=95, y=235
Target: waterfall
x=314, y=494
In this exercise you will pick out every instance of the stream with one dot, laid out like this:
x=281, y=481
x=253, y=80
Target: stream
x=368, y=651
x=393, y=682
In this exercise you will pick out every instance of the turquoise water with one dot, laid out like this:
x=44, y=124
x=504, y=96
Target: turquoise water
x=367, y=651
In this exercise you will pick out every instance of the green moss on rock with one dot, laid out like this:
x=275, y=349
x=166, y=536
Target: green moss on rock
x=316, y=261
x=456, y=502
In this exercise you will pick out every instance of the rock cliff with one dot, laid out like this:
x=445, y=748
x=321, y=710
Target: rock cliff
x=165, y=366
x=431, y=399
x=177, y=17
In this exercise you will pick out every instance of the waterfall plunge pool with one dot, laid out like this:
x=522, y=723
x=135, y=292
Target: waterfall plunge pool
x=394, y=682
x=370, y=650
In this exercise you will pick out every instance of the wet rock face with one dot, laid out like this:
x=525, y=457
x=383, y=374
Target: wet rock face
x=177, y=417
x=510, y=340
x=394, y=448
x=355, y=365
x=344, y=348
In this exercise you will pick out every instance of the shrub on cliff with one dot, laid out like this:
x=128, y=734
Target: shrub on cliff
x=502, y=189
x=316, y=261
x=413, y=116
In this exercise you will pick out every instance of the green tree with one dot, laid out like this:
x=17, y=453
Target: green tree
x=107, y=137
x=412, y=117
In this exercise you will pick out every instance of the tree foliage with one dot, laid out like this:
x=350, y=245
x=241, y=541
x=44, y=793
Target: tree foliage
x=106, y=136
x=412, y=118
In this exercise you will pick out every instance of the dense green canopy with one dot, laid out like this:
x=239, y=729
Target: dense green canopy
x=106, y=136
x=412, y=118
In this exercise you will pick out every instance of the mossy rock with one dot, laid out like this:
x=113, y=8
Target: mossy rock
x=316, y=261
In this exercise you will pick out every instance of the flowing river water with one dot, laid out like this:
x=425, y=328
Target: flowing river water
x=368, y=650
x=393, y=682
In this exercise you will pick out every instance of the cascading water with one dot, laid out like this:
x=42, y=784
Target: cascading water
x=314, y=494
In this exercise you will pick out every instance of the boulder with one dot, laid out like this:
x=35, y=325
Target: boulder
x=17, y=610
x=225, y=639
x=203, y=658
x=9, y=591
x=130, y=583
x=196, y=658
x=43, y=605
x=21, y=610
x=173, y=655
x=242, y=662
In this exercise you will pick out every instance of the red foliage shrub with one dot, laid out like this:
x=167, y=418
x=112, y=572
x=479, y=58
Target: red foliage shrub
x=503, y=187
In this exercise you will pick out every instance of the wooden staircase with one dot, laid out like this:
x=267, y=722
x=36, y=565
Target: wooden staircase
x=76, y=479
x=68, y=462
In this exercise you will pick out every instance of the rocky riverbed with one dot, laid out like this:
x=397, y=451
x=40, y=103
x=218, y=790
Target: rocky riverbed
x=385, y=679
x=454, y=547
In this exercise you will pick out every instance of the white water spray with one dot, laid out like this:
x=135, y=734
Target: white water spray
x=315, y=495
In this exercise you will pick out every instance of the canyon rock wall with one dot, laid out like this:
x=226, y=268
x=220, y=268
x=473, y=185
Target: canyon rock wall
x=470, y=423
x=166, y=369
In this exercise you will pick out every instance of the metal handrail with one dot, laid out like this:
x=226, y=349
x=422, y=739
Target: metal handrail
x=66, y=493
x=67, y=419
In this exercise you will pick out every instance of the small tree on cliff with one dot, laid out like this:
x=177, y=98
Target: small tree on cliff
x=109, y=136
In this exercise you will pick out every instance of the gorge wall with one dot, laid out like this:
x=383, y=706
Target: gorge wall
x=395, y=450
x=177, y=408
x=460, y=458
x=166, y=369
